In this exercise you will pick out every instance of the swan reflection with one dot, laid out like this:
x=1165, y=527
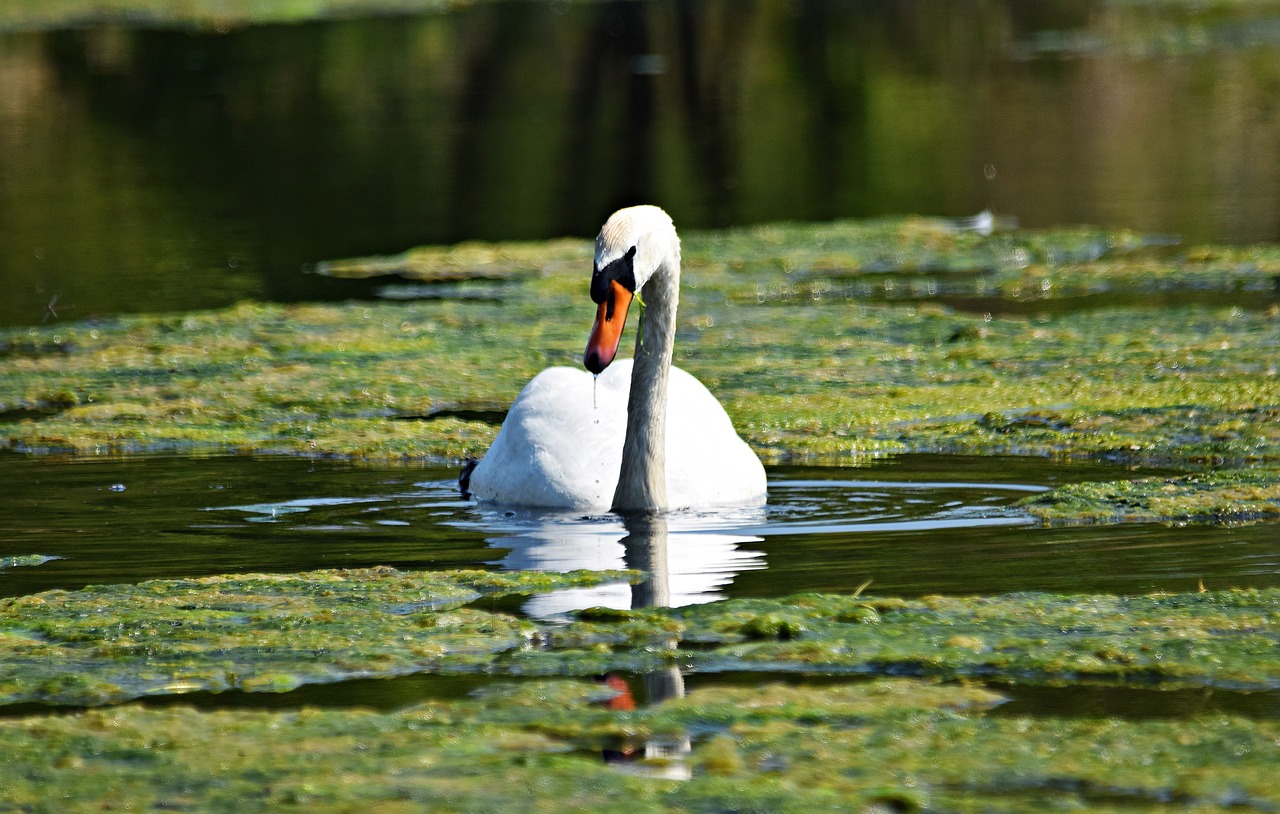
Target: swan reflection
x=647, y=547
x=686, y=558
x=690, y=557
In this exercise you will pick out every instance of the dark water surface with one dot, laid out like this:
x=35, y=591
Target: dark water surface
x=146, y=169
x=913, y=524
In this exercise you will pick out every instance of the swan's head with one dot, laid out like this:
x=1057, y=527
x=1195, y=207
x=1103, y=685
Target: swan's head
x=632, y=245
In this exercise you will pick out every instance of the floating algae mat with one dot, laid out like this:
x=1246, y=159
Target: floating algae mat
x=555, y=746
x=831, y=346
x=819, y=378
x=911, y=744
x=261, y=632
x=806, y=377
x=268, y=633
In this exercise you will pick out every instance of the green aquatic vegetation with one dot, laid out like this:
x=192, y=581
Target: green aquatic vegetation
x=1219, y=639
x=897, y=743
x=896, y=245
x=305, y=380
x=829, y=378
x=25, y=561
x=1209, y=638
x=266, y=633
x=885, y=745
x=272, y=633
x=819, y=378
x=903, y=258
x=1162, y=29
x=1144, y=385
x=468, y=261
x=1236, y=496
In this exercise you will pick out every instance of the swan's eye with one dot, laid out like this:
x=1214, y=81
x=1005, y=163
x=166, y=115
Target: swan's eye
x=621, y=271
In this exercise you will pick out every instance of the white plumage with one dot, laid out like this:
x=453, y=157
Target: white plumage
x=561, y=447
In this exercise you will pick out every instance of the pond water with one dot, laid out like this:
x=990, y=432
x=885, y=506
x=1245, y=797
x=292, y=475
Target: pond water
x=912, y=524
x=152, y=168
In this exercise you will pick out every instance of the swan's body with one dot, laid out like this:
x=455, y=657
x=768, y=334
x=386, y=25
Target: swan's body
x=557, y=449
x=651, y=436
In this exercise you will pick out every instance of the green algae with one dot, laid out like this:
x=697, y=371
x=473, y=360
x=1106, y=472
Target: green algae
x=25, y=561
x=1215, y=639
x=898, y=258
x=872, y=742
x=1207, y=638
x=894, y=745
x=1234, y=496
x=809, y=368
x=471, y=260
x=268, y=633
x=820, y=378
x=272, y=633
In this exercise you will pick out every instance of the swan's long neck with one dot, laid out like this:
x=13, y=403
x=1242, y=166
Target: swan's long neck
x=642, y=483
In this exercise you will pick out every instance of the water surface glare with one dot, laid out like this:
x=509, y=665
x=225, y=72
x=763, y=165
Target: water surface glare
x=914, y=525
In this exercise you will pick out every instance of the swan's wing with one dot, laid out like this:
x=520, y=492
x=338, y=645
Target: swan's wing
x=561, y=443
x=707, y=463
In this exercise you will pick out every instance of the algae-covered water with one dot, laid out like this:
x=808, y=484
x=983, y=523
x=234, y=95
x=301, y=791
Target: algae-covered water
x=1021, y=550
x=1010, y=559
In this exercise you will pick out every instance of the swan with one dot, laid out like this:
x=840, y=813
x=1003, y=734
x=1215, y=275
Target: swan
x=638, y=435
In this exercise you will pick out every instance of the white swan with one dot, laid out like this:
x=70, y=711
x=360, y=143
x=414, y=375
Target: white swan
x=647, y=436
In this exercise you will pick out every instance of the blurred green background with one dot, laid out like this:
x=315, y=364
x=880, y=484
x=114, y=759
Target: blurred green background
x=184, y=154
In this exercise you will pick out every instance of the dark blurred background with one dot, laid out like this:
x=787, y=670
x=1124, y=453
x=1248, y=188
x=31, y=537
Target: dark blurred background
x=148, y=167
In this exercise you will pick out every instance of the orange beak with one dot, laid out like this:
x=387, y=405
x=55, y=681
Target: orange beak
x=602, y=346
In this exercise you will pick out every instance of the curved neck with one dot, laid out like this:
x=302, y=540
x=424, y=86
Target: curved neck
x=642, y=483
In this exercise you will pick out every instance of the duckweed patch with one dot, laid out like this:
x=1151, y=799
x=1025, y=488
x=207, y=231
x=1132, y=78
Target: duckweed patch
x=25, y=561
x=268, y=633
x=1236, y=496
x=273, y=633
x=468, y=261
x=566, y=742
x=884, y=745
x=1181, y=639
x=823, y=378
x=806, y=375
